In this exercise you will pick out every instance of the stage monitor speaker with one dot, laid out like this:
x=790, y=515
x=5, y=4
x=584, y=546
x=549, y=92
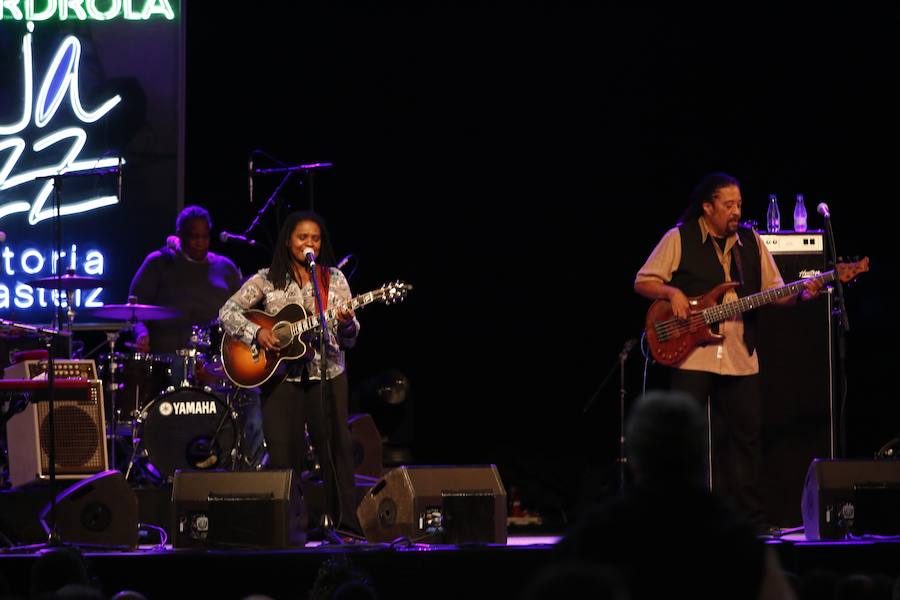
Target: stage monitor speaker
x=80, y=438
x=795, y=349
x=859, y=496
x=448, y=504
x=101, y=511
x=366, y=441
x=230, y=509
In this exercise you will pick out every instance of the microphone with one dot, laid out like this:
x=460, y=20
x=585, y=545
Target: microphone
x=250, y=176
x=340, y=264
x=626, y=349
x=227, y=238
x=310, y=257
x=173, y=243
x=3, y=238
x=822, y=208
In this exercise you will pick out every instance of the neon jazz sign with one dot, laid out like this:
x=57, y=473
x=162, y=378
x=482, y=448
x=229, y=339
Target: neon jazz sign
x=34, y=263
x=60, y=82
x=61, y=77
x=85, y=10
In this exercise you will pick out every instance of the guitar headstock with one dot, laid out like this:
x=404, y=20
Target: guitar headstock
x=848, y=271
x=393, y=292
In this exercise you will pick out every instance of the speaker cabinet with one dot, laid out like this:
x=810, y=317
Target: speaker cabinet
x=795, y=348
x=101, y=510
x=80, y=438
x=366, y=445
x=851, y=496
x=222, y=509
x=448, y=504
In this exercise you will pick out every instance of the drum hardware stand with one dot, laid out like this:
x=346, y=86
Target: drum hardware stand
x=111, y=338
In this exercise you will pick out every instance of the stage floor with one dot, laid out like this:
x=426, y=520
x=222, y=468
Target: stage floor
x=396, y=571
x=400, y=571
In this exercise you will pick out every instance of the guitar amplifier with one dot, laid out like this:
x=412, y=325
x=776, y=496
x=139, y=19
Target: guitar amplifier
x=63, y=368
x=796, y=357
x=78, y=435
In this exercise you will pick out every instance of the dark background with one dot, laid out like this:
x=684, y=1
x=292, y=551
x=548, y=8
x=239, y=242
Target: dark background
x=516, y=162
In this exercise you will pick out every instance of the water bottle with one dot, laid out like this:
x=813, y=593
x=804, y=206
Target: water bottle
x=800, y=215
x=773, y=216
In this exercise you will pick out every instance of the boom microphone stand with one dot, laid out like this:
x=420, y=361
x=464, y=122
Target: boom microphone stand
x=620, y=366
x=307, y=169
x=53, y=536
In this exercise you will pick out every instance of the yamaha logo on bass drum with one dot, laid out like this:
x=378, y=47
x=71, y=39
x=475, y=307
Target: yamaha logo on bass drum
x=187, y=408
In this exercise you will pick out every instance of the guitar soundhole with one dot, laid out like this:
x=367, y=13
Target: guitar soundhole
x=282, y=331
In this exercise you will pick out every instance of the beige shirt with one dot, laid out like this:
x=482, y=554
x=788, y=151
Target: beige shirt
x=731, y=356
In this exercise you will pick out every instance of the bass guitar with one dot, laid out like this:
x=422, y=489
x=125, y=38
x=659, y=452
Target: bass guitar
x=671, y=339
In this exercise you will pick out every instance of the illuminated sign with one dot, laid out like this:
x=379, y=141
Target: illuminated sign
x=35, y=264
x=74, y=101
x=61, y=77
x=85, y=10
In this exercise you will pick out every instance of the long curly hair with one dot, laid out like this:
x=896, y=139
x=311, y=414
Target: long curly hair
x=280, y=273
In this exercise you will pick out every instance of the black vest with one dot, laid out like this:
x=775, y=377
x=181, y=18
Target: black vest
x=700, y=271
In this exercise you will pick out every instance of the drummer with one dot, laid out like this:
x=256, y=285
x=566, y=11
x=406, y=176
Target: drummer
x=186, y=276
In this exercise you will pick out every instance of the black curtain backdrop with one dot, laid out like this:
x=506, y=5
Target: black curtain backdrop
x=516, y=162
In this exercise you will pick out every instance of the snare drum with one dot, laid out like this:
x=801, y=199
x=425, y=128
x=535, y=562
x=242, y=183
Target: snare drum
x=139, y=378
x=187, y=428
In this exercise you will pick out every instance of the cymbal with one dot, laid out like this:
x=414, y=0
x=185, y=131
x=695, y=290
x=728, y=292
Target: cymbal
x=69, y=282
x=137, y=312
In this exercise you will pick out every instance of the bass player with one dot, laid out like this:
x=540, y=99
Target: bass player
x=706, y=248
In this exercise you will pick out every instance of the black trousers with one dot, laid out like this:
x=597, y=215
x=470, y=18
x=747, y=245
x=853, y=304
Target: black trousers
x=735, y=407
x=285, y=412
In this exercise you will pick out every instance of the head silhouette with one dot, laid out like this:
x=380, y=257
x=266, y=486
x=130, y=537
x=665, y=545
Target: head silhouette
x=666, y=440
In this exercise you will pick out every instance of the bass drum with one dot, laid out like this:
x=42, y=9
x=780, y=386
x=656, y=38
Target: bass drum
x=187, y=428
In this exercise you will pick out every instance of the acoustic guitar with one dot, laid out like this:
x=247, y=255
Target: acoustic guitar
x=250, y=366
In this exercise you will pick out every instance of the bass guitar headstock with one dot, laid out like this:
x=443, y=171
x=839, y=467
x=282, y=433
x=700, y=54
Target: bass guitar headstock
x=848, y=271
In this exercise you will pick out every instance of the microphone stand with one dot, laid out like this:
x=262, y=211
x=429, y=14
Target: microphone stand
x=53, y=538
x=620, y=366
x=329, y=476
x=288, y=171
x=840, y=314
x=52, y=335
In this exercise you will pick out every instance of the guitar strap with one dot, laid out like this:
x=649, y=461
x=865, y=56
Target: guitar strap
x=324, y=277
x=738, y=265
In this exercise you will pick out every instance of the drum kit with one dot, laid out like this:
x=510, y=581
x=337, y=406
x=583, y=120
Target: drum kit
x=170, y=411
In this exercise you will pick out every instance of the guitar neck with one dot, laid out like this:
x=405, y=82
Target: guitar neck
x=312, y=322
x=721, y=312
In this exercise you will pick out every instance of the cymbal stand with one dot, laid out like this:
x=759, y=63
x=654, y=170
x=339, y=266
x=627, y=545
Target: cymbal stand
x=112, y=337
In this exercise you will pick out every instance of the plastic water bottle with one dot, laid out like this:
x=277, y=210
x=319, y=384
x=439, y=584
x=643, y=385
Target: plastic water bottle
x=800, y=215
x=773, y=216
